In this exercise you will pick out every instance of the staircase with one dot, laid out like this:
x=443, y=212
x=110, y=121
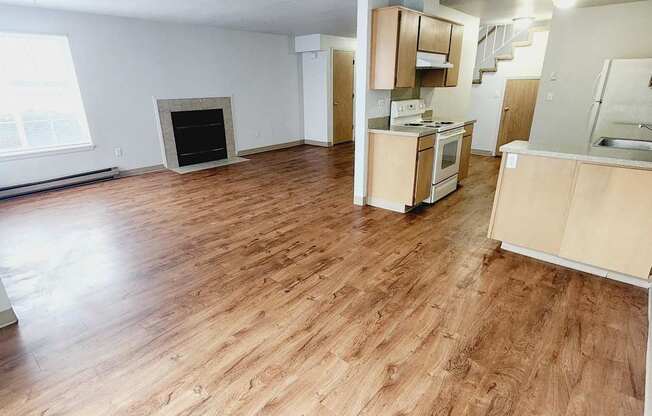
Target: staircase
x=496, y=43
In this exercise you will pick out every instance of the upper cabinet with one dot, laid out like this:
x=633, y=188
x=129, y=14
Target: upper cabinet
x=434, y=35
x=394, y=48
x=455, y=55
x=397, y=33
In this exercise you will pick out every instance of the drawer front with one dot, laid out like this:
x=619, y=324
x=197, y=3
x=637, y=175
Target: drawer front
x=426, y=142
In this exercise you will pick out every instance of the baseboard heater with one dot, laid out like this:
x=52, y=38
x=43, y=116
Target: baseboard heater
x=63, y=182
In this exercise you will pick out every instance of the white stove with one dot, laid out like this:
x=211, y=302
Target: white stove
x=448, y=144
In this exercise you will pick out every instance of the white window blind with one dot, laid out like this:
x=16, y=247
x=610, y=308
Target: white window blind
x=40, y=104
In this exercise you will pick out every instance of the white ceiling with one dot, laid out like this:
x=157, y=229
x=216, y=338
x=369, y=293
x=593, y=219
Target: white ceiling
x=333, y=17
x=494, y=11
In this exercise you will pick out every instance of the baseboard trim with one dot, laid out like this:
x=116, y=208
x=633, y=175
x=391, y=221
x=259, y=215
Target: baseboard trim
x=317, y=143
x=481, y=152
x=270, y=148
x=7, y=318
x=596, y=271
x=141, y=171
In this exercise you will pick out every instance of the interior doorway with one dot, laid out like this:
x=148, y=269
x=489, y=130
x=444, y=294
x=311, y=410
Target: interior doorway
x=343, y=62
x=518, y=110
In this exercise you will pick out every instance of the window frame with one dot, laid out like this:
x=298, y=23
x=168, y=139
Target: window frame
x=34, y=152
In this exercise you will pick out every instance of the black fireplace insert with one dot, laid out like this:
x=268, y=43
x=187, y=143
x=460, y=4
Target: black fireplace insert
x=199, y=136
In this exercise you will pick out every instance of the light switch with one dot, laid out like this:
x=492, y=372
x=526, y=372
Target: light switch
x=550, y=96
x=553, y=76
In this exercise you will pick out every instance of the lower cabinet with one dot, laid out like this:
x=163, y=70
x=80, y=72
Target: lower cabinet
x=598, y=215
x=465, y=155
x=423, y=181
x=532, y=200
x=400, y=170
x=610, y=220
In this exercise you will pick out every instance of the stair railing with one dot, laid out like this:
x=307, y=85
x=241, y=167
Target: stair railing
x=489, y=52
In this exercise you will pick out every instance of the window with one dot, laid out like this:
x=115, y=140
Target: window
x=40, y=105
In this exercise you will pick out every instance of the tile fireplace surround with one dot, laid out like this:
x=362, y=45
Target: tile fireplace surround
x=165, y=108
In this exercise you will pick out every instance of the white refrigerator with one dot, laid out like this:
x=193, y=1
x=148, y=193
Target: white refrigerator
x=622, y=101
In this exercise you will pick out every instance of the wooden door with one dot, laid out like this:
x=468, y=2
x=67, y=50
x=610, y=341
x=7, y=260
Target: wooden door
x=423, y=180
x=518, y=110
x=342, y=96
x=455, y=55
x=532, y=201
x=434, y=35
x=609, y=221
x=406, y=59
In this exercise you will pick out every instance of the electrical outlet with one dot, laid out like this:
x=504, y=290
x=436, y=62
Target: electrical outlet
x=257, y=134
x=118, y=152
x=553, y=76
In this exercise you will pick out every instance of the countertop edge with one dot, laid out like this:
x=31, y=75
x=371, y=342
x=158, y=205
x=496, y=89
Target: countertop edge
x=522, y=147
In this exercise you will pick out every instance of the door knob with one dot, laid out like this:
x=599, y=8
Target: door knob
x=506, y=108
x=336, y=103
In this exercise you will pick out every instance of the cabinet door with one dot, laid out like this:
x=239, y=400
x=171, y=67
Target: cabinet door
x=384, y=41
x=423, y=181
x=406, y=59
x=532, y=202
x=465, y=156
x=455, y=55
x=610, y=220
x=434, y=35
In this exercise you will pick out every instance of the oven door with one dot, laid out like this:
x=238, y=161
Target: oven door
x=447, y=155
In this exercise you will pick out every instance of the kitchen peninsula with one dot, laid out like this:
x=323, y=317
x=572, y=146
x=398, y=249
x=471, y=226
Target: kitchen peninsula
x=587, y=209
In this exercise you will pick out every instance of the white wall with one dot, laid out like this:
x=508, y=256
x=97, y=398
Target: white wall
x=487, y=97
x=122, y=63
x=453, y=103
x=580, y=40
x=317, y=109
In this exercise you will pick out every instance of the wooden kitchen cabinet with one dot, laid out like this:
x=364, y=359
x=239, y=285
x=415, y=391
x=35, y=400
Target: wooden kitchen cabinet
x=447, y=77
x=399, y=170
x=434, y=35
x=395, y=32
x=610, y=220
x=532, y=202
x=465, y=155
x=455, y=55
x=423, y=181
x=396, y=35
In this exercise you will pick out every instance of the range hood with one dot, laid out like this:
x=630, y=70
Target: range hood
x=427, y=60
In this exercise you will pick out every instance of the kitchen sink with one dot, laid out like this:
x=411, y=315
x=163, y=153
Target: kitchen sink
x=629, y=144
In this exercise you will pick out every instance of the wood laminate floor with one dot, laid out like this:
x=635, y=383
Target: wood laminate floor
x=259, y=288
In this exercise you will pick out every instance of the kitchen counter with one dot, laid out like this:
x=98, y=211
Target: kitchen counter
x=408, y=131
x=639, y=159
x=411, y=131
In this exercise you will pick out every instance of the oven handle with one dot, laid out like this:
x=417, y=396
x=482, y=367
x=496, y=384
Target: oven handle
x=450, y=134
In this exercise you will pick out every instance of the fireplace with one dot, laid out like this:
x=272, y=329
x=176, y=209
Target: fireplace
x=196, y=133
x=199, y=136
